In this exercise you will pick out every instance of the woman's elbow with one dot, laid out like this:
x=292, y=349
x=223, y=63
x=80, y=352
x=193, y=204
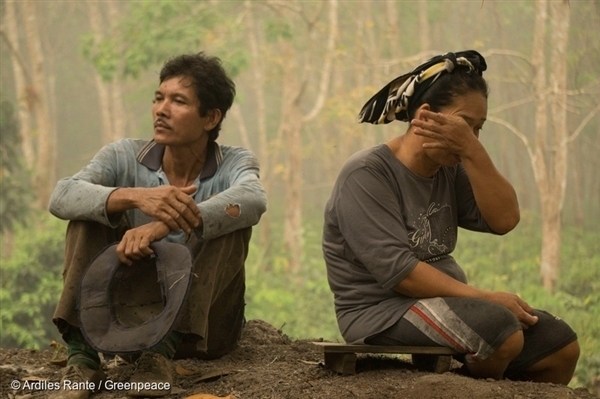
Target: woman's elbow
x=507, y=223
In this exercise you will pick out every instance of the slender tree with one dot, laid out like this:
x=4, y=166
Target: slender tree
x=258, y=85
x=32, y=81
x=548, y=151
x=22, y=80
x=15, y=196
x=292, y=122
x=109, y=87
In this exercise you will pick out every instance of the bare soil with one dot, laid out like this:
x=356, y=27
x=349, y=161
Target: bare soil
x=268, y=364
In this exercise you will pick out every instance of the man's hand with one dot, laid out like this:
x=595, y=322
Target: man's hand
x=136, y=242
x=516, y=305
x=172, y=205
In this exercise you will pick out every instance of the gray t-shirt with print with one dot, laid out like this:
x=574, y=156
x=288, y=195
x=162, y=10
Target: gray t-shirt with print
x=380, y=221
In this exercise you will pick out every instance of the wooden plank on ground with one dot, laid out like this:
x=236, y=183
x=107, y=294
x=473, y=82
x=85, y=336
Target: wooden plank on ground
x=342, y=357
x=336, y=347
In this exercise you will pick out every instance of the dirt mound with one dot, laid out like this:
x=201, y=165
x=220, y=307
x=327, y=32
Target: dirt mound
x=268, y=364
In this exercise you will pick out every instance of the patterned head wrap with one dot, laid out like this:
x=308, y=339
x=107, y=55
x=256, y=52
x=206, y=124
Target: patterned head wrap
x=391, y=102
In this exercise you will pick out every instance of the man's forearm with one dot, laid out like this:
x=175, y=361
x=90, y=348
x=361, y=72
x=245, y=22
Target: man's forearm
x=122, y=199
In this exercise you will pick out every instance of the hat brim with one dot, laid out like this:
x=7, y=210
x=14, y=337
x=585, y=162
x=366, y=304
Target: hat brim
x=98, y=318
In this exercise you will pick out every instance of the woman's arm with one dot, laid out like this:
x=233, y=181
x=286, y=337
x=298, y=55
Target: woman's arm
x=495, y=196
x=425, y=281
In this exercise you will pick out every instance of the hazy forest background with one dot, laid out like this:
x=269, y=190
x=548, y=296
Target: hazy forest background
x=78, y=74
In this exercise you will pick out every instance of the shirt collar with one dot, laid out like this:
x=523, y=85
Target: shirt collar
x=151, y=155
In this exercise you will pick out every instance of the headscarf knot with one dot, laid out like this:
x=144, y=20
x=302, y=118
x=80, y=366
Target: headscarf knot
x=392, y=101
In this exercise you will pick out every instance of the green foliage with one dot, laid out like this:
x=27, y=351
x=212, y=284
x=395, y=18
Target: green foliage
x=102, y=55
x=299, y=302
x=511, y=263
x=15, y=191
x=31, y=283
x=277, y=28
x=155, y=31
x=235, y=61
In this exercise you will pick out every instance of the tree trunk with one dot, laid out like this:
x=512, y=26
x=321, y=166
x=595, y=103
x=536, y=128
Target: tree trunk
x=25, y=98
x=550, y=155
x=45, y=169
x=258, y=82
x=110, y=94
x=292, y=126
x=118, y=111
x=541, y=125
x=103, y=90
x=552, y=226
x=424, y=29
x=293, y=121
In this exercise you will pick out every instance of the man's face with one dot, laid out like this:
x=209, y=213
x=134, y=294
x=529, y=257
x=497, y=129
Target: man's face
x=177, y=121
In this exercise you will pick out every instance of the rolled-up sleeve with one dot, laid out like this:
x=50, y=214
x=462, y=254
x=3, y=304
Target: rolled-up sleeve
x=84, y=195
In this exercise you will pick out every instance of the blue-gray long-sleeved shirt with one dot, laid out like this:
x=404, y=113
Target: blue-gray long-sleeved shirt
x=230, y=177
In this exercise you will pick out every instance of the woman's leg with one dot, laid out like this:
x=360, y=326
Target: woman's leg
x=488, y=334
x=550, y=352
x=495, y=365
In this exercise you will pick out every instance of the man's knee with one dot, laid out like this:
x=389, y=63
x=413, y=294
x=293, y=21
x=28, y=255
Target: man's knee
x=235, y=239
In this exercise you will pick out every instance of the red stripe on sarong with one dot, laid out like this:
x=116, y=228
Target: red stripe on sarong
x=437, y=328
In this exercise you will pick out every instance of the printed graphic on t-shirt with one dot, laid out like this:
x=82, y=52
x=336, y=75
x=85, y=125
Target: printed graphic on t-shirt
x=433, y=234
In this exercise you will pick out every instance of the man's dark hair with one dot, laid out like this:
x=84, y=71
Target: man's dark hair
x=213, y=87
x=447, y=87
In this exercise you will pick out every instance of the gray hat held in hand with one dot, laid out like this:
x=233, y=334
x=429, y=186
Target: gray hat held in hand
x=127, y=309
